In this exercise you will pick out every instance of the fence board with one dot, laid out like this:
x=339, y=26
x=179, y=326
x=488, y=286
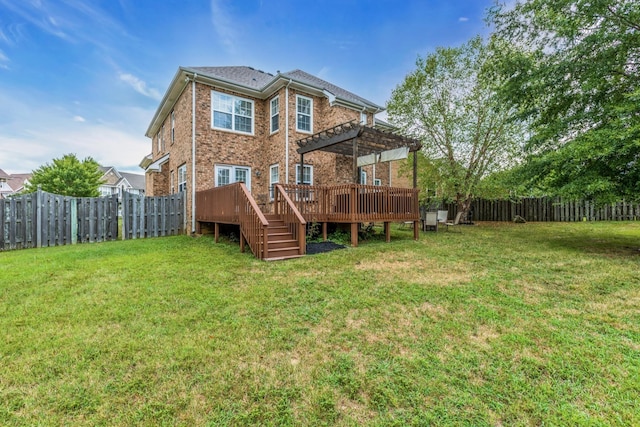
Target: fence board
x=152, y=216
x=548, y=209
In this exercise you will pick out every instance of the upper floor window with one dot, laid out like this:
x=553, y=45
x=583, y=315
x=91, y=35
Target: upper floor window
x=231, y=113
x=307, y=175
x=275, y=114
x=304, y=116
x=363, y=118
x=162, y=146
x=182, y=178
x=173, y=126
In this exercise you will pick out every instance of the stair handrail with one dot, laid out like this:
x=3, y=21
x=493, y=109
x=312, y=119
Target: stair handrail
x=253, y=224
x=293, y=219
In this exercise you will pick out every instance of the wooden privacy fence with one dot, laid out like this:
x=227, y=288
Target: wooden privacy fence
x=549, y=209
x=152, y=216
x=43, y=219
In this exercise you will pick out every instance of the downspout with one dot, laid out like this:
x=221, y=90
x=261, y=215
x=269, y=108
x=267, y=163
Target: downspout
x=193, y=154
x=286, y=132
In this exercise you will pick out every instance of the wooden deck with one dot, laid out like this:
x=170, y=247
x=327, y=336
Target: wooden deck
x=295, y=205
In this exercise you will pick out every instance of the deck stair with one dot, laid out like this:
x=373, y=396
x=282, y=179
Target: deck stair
x=281, y=243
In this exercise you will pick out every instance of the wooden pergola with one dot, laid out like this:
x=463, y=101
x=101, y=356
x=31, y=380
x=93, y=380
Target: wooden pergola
x=357, y=141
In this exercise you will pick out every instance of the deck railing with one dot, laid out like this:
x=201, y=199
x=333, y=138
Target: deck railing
x=293, y=219
x=234, y=204
x=354, y=203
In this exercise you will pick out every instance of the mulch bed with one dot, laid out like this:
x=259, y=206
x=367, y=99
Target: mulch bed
x=320, y=247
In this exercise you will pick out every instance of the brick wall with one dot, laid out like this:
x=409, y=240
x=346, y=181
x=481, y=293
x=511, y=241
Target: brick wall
x=257, y=151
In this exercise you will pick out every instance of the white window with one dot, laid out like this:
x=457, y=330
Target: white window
x=307, y=175
x=182, y=178
x=377, y=182
x=304, y=118
x=275, y=114
x=363, y=118
x=173, y=180
x=162, y=147
x=274, y=178
x=231, y=113
x=229, y=174
x=173, y=126
x=363, y=177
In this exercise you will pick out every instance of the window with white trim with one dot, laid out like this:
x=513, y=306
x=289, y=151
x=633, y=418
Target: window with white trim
x=162, y=146
x=275, y=114
x=377, y=182
x=304, y=116
x=230, y=174
x=231, y=113
x=274, y=178
x=173, y=126
x=307, y=175
x=363, y=118
x=182, y=178
x=363, y=177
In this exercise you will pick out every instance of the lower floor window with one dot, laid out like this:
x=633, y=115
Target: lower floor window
x=182, y=178
x=230, y=174
x=306, y=178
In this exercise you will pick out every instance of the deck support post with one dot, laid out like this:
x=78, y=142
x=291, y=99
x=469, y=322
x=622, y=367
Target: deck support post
x=198, y=226
x=216, y=232
x=356, y=178
x=354, y=234
x=324, y=231
x=387, y=231
x=416, y=230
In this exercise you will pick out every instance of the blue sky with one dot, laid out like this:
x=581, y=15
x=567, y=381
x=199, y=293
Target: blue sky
x=85, y=77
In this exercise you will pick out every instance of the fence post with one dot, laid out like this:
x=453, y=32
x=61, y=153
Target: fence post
x=39, y=217
x=74, y=221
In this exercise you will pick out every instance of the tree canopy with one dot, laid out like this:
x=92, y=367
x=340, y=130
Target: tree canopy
x=67, y=176
x=571, y=68
x=448, y=102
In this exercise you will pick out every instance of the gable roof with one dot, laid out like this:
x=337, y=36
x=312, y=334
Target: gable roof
x=257, y=84
x=136, y=180
x=4, y=175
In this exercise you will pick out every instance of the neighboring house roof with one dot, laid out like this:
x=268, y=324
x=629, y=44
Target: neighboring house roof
x=14, y=182
x=113, y=178
x=255, y=83
x=136, y=180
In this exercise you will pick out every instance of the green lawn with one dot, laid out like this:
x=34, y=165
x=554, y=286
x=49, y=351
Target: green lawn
x=494, y=325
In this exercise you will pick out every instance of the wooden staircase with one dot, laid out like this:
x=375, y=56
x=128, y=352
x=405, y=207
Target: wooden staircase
x=281, y=243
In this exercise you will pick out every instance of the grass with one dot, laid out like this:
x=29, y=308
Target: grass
x=498, y=324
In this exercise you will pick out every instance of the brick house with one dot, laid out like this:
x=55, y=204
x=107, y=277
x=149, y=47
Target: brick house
x=116, y=182
x=231, y=124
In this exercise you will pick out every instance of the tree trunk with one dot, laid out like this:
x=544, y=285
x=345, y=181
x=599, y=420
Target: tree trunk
x=463, y=202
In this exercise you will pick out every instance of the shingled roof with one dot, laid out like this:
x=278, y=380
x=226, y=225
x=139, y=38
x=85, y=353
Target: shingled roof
x=245, y=76
x=260, y=80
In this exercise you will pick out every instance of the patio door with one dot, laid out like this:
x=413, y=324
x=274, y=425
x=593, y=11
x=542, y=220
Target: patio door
x=230, y=174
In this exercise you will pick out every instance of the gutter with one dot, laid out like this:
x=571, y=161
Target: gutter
x=193, y=154
x=286, y=132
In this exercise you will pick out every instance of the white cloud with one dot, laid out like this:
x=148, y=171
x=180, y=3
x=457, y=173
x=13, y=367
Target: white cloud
x=222, y=23
x=3, y=60
x=37, y=133
x=463, y=19
x=140, y=86
x=324, y=73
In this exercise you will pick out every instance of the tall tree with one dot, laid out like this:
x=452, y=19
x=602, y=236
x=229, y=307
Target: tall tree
x=572, y=70
x=449, y=103
x=67, y=176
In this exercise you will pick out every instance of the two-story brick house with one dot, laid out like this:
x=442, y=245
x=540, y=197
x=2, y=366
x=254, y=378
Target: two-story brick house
x=220, y=125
